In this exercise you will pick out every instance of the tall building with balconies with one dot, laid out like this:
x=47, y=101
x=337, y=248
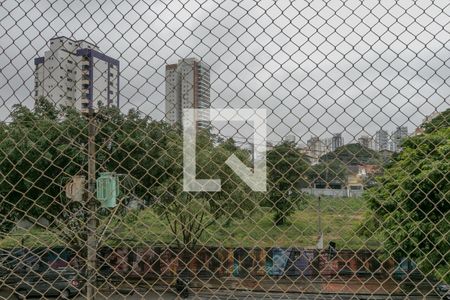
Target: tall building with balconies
x=398, y=136
x=381, y=140
x=337, y=141
x=187, y=86
x=75, y=73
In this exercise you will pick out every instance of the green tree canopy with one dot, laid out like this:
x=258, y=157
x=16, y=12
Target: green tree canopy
x=410, y=204
x=287, y=167
x=442, y=120
x=328, y=174
x=190, y=213
x=353, y=154
x=41, y=149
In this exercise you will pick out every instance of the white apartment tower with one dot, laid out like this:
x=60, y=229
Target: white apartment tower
x=381, y=140
x=75, y=73
x=187, y=86
x=318, y=147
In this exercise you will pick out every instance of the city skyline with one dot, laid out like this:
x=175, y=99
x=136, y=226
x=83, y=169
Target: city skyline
x=356, y=92
x=185, y=98
x=179, y=95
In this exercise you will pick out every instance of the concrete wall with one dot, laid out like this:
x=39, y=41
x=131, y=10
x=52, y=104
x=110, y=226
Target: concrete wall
x=333, y=192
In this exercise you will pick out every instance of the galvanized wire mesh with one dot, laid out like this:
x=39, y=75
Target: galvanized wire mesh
x=341, y=191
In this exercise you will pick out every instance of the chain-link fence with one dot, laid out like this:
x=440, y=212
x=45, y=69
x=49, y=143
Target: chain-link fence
x=225, y=149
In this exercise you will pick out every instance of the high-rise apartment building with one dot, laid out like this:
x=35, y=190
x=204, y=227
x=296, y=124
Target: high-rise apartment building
x=381, y=140
x=337, y=141
x=75, y=73
x=397, y=137
x=366, y=141
x=317, y=147
x=187, y=86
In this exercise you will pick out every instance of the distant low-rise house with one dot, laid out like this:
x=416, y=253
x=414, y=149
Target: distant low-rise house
x=355, y=179
x=360, y=177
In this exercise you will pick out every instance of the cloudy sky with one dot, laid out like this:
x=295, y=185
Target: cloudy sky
x=319, y=67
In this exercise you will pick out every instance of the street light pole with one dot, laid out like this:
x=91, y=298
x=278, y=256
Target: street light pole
x=91, y=206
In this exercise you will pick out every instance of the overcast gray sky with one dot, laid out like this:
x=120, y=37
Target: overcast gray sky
x=319, y=67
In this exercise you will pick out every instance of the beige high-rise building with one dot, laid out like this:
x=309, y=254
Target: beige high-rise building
x=187, y=86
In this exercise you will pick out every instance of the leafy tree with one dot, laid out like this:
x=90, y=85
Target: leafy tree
x=41, y=150
x=189, y=214
x=34, y=161
x=410, y=204
x=440, y=121
x=353, y=154
x=287, y=168
x=328, y=174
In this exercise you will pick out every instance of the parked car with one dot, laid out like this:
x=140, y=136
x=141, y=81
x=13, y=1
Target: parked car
x=443, y=290
x=46, y=281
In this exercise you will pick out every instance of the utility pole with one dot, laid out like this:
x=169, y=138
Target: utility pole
x=320, y=217
x=91, y=206
x=319, y=221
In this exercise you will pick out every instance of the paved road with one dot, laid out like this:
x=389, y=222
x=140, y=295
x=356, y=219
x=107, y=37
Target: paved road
x=235, y=295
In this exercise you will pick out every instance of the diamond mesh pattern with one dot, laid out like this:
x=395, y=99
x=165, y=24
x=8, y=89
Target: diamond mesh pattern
x=357, y=149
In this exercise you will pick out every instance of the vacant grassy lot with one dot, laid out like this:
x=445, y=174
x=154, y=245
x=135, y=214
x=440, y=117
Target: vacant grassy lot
x=340, y=218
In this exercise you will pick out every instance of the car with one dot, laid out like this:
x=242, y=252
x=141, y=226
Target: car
x=45, y=281
x=443, y=290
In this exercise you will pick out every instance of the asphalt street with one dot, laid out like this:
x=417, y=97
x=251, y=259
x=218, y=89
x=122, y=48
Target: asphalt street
x=219, y=295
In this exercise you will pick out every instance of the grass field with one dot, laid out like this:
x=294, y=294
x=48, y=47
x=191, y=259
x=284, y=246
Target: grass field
x=340, y=219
